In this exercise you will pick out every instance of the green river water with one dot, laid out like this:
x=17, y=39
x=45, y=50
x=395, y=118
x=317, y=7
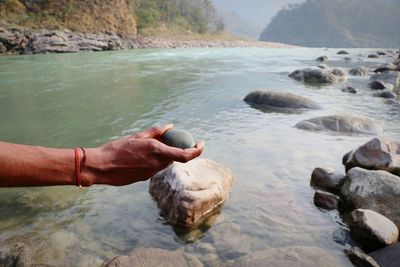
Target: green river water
x=67, y=100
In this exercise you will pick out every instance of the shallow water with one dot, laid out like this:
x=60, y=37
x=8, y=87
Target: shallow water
x=88, y=99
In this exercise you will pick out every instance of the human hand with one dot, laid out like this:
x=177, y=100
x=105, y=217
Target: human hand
x=134, y=158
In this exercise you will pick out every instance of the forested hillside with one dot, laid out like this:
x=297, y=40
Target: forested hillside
x=337, y=23
x=125, y=17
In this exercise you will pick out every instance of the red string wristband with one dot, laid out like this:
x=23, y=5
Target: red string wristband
x=79, y=166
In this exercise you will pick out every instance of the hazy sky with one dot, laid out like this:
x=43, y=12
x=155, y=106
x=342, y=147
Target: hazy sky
x=258, y=12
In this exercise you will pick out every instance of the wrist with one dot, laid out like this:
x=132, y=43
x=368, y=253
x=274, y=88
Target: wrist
x=92, y=172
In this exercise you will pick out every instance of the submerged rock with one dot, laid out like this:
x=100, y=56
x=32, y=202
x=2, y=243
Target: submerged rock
x=373, y=56
x=379, y=153
x=373, y=229
x=327, y=178
x=373, y=190
x=359, y=71
x=345, y=123
x=343, y=52
x=326, y=200
x=389, y=66
x=322, y=59
x=385, y=94
x=388, y=256
x=266, y=99
x=155, y=257
x=359, y=258
x=379, y=85
x=178, y=138
x=185, y=193
x=350, y=90
x=319, y=76
x=292, y=256
x=389, y=77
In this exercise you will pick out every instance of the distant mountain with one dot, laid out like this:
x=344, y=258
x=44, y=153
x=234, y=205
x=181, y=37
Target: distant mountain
x=337, y=23
x=236, y=25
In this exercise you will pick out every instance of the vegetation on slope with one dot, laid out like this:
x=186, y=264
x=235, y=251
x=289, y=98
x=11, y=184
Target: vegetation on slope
x=337, y=23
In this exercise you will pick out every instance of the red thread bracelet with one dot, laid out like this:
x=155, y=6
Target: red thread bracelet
x=79, y=166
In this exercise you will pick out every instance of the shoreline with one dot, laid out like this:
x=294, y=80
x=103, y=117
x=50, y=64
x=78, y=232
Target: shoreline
x=20, y=41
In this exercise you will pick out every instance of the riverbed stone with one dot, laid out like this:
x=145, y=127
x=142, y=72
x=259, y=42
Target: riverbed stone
x=350, y=90
x=380, y=153
x=372, y=229
x=385, y=94
x=154, y=257
x=186, y=192
x=379, y=85
x=318, y=75
x=386, y=67
x=359, y=71
x=178, y=138
x=388, y=256
x=322, y=58
x=266, y=100
x=373, y=56
x=343, y=52
x=327, y=178
x=342, y=123
x=389, y=77
x=374, y=190
x=292, y=256
x=326, y=200
x=359, y=258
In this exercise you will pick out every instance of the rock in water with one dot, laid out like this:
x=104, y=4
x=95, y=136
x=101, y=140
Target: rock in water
x=374, y=190
x=387, y=257
x=391, y=78
x=342, y=52
x=326, y=200
x=155, y=257
x=322, y=59
x=372, y=229
x=319, y=76
x=379, y=85
x=327, y=178
x=385, y=94
x=359, y=258
x=265, y=100
x=185, y=193
x=345, y=123
x=379, y=153
x=359, y=71
x=178, y=138
x=350, y=90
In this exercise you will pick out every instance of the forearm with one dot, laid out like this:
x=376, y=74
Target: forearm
x=22, y=165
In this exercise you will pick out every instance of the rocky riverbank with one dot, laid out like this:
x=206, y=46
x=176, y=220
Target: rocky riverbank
x=17, y=40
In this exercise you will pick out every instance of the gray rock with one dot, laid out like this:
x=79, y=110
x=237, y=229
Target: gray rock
x=380, y=153
x=186, y=193
x=292, y=256
x=379, y=85
x=319, y=76
x=152, y=257
x=327, y=178
x=388, y=256
x=372, y=229
x=389, y=77
x=359, y=71
x=385, y=94
x=359, y=258
x=386, y=67
x=326, y=200
x=178, y=138
x=374, y=190
x=350, y=90
x=16, y=254
x=381, y=53
x=322, y=59
x=344, y=123
x=373, y=56
x=264, y=100
x=342, y=52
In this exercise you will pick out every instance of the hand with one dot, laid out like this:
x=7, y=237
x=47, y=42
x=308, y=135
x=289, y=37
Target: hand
x=134, y=158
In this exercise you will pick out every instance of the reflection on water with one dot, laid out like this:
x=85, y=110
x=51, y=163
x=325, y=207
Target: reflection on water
x=88, y=99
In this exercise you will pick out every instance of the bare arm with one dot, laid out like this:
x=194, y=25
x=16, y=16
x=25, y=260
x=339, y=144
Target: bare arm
x=124, y=161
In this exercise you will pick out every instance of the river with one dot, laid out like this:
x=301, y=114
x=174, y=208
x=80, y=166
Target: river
x=67, y=100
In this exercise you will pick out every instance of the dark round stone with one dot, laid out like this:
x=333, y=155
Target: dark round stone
x=178, y=138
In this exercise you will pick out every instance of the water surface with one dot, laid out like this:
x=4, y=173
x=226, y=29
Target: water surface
x=88, y=99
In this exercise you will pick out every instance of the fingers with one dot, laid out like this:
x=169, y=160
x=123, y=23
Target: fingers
x=183, y=155
x=153, y=132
